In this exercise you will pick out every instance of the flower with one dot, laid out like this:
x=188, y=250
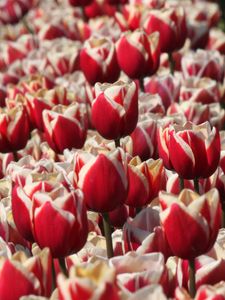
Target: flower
x=115, y=109
x=200, y=214
x=98, y=60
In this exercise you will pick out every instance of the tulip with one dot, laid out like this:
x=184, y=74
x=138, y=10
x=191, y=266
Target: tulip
x=179, y=147
x=134, y=271
x=144, y=234
x=171, y=24
x=132, y=15
x=42, y=201
x=166, y=85
x=201, y=214
x=203, y=63
x=13, y=11
x=26, y=275
x=115, y=109
x=208, y=271
x=145, y=181
x=149, y=103
x=200, y=90
x=73, y=118
x=98, y=60
x=50, y=31
x=190, y=206
x=142, y=50
x=99, y=191
x=211, y=292
x=87, y=282
x=14, y=129
x=63, y=56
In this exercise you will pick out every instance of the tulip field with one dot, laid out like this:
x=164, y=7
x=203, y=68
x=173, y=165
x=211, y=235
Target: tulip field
x=112, y=150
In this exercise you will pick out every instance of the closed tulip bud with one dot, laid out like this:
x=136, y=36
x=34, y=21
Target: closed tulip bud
x=143, y=140
x=115, y=109
x=201, y=214
x=64, y=209
x=190, y=147
x=171, y=24
x=74, y=119
x=166, y=85
x=98, y=177
x=14, y=129
x=133, y=14
x=142, y=50
x=98, y=60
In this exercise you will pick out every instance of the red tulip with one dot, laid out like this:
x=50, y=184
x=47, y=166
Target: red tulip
x=14, y=129
x=88, y=282
x=171, y=24
x=98, y=60
x=208, y=271
x=63, y=56
x=74, y=119
x=27, y=276
x=203, y=63
x=166, y=85
x=65, y=210
x=144, y=234
x=187, y=148
x=142, y=50
x=115, y=109
x=12, y=11
x=143, y=140
x=135, y=271
x=132, y=15
x=98, y=177
x=200, y=214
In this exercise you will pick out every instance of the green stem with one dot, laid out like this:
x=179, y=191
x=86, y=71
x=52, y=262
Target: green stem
x=108, y=234
x=53, y=276
x=117, y=143
x=138, y=209
x=84, y=14
x=192, y=285
x=196, y=185
x=62, y=265
x=171, y=63
x=141, y=82
x=181, y=181
x=15, y=155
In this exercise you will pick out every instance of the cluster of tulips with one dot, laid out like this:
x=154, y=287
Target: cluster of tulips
x=112, y=150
